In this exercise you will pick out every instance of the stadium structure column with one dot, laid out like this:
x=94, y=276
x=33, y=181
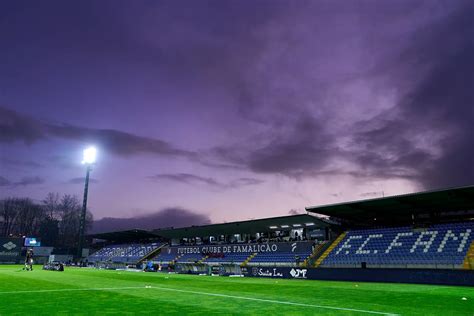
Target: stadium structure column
x=89, y=160
x=82, y=223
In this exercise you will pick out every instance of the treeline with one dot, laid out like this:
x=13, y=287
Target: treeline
x=55, y=220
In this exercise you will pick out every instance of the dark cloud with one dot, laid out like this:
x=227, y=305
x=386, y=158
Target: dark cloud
x=445, y=97
x=29, y=130
x=195, y=179
x=431, y=135
x=19, y=162
x=4, y=182
x=299, y=151
x=16, y=127
x=390, y=150
x=118, y=142
x=185, y=178
x=306, y=148
x=30, y=181
x=80, y=180
x=25, y=181
x=318, y=121
x=169, y=217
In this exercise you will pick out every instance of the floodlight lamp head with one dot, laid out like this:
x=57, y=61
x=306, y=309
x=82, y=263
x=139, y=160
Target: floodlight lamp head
x=89, y=156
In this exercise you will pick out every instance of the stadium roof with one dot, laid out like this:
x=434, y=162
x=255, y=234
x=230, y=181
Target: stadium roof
x=246, y=227
x=126, y=235
x=401, y=206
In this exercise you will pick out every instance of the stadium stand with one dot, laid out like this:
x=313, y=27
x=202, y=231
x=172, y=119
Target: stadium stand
x=125, y=253
x=252, y=254
x=425, y=237
x=439, y=246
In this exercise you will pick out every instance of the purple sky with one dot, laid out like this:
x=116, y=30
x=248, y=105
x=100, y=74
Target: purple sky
x=230, y=110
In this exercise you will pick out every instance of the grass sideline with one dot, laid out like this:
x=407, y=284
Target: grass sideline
x=98, y=292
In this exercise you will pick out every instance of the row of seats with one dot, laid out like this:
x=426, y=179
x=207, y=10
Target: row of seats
x=237, y=258
x=126, y=253
x=443, y=244
x=190, y=258
x=164, y=257
x=285, y=257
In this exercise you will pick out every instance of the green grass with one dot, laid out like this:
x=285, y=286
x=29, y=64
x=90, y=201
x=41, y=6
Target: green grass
x=99, y=292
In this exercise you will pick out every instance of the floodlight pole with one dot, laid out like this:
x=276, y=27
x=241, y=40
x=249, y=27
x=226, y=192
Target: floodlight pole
x=82, y=224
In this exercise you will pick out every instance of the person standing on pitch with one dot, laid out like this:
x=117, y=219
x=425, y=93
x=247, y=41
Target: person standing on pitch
x=29, y=260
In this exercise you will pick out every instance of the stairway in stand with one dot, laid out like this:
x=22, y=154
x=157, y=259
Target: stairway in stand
x=248, y=259
x=203, y=259
x=469, y=259
x=152, y=253
x=309, y=260
x=328, y=251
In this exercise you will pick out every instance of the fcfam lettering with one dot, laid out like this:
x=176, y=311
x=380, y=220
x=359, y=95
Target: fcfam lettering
x=424, y=241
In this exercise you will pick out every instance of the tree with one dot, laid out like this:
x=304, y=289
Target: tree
x=8, y=213
x=49, y=228
x=55, y=221
x=51, y=205
x=20, y=217
x=29, y=217
x=70, y=216
x=49, y=232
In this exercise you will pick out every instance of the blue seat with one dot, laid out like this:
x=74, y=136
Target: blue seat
x=440, y=244
x=124, y=253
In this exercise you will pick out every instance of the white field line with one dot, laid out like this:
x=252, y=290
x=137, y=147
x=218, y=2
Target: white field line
x=73, y=290
x=203, y=293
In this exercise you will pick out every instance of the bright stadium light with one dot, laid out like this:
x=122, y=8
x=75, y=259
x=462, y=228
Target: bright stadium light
x=89, y=155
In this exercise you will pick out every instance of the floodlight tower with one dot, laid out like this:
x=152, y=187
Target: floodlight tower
x=89, y=157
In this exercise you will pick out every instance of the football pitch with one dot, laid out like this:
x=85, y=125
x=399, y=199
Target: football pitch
x=100, y=292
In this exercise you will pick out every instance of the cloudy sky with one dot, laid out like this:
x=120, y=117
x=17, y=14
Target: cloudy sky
x=229, y=110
